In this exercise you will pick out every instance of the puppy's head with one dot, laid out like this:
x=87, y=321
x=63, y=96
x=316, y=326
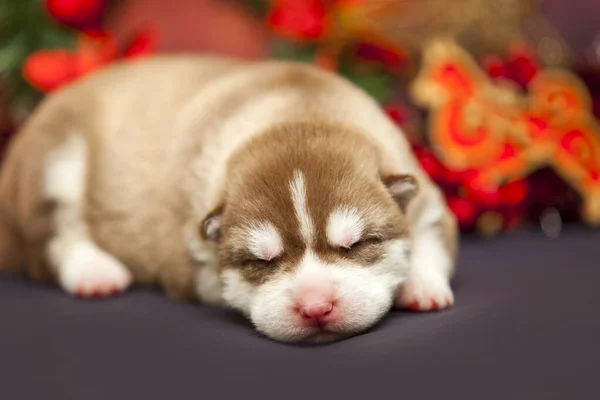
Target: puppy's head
x=313, y=241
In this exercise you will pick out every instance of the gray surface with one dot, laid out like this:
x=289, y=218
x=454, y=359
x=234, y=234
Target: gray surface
x=525, y=326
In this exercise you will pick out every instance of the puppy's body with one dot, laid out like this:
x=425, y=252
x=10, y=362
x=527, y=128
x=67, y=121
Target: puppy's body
x=231, y=183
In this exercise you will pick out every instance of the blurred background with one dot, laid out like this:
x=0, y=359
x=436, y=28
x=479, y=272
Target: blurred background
x=532, y=158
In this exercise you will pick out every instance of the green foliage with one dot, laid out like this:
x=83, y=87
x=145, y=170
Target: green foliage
x=256, y=7
x=377, y=83
x=285, y=50
x=25, y=28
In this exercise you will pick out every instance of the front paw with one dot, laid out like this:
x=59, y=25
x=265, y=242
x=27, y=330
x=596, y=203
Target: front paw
x=90, y=272
x=425, y=292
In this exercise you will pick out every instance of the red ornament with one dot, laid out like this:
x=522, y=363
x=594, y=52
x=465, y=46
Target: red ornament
x=431, y=165
x=452, y=177
x=397, y=112
x=495, y=67
x=504, y=133
x=386, y=54
x=463, y=209
x=46, y=70
x=488, y=197
x=514, y=193
x=299, y=19
x=522, y=64
x=76, y=13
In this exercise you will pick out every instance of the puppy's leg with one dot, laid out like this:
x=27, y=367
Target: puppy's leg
x=435, y=239
x=82, y=268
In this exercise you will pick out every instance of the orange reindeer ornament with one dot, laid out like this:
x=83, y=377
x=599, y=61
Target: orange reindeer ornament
x=476, y=123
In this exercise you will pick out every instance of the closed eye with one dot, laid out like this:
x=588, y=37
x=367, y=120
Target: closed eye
x=243, y=258
x=367, y=241
x=258, y=261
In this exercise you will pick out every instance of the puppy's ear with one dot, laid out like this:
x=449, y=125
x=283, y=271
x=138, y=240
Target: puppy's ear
x=210, y=228
x=403, y=189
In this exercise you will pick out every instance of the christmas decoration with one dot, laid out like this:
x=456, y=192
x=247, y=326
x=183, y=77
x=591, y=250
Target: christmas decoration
x=64, y=40
x=77, y=13
x=401, y=26
x=17, y=43
x=503, y=135
x=299, y=20
x=331, y=34
x=47, y=70
x=493, y=115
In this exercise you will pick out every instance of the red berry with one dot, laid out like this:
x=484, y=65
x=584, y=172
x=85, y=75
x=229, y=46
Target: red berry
x=301, y=20
x=386, y=55
x=463, y=209
x=397, y=113
x=522, y=64
x=469, y=175
x=514, y=192
x=522, y=71
x=486, y=196
x=431, y=165
x=495, y=67
x=46, y=70
x=75, y=11
x=452, y=177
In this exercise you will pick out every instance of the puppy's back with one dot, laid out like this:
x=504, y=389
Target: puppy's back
x=99, y=107
x=142, y=122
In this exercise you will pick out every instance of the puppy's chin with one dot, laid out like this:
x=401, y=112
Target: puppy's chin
x=355, y=297
x=308, y=335
x=324, y=337
x=321, y=337
x=360, y=302
x=282, y=331
x=311, y=336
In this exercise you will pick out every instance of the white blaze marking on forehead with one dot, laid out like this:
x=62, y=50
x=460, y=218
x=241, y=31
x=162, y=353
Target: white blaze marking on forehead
x=344, y=227
x=298, y=189
x=264, y=241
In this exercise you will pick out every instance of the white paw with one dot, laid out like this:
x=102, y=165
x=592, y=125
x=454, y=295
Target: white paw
x=425, y=292
x=90, y=272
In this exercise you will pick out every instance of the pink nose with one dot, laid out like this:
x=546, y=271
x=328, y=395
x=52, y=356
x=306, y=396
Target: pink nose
x=316, y=311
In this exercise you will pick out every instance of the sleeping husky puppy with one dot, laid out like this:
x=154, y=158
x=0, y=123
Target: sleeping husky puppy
x=273, y=188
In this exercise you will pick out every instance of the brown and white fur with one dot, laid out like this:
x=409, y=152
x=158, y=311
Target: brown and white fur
x=274, y=188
